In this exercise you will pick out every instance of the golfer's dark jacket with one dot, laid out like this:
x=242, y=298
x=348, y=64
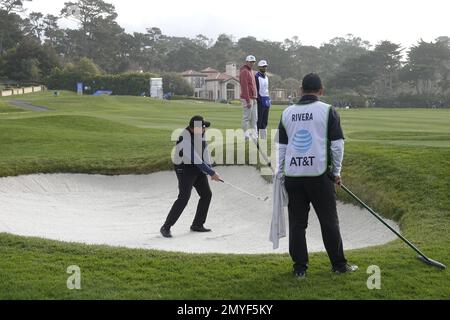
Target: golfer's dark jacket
x=187, y=154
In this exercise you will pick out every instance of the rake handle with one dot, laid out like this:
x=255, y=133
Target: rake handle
x=376, y=215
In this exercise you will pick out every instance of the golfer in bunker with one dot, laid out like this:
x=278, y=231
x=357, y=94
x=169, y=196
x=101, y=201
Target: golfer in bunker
x=192, y=167
x=311, y=151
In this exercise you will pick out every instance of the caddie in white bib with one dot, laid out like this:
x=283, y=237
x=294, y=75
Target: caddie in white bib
x=306, y=153
x=310, y=155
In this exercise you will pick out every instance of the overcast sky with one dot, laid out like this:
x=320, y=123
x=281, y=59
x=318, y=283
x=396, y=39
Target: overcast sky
x=314, y=22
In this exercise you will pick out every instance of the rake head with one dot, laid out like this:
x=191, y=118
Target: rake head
x=432, y=262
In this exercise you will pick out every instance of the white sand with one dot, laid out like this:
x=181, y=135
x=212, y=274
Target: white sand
x=129, y=210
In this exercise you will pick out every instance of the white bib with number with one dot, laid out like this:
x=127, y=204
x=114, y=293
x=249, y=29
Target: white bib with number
x=307, y=130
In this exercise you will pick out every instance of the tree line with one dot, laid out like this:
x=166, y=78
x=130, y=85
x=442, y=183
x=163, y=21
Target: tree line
x=33, y=45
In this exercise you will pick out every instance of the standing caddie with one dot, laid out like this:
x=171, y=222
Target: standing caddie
x=311, y=151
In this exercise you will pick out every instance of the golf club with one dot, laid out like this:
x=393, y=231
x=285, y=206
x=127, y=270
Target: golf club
x=422, y=257
x=246, y=192
x=265, y=157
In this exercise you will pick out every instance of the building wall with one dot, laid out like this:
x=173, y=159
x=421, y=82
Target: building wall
x=231, y=69
x=198, y=92
x=211, y=90
x=6, y=93
x=214, y=90
x=19, y=91
x=237, y=89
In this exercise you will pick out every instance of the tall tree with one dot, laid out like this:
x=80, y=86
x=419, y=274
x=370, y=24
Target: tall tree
x=91, y=14
x=88, y=11
x=357, y=74
x=34, y=25
x=387, y=57
x=223, y=51
x=52, y=32
x=292, y=86
x=428, y=67
x=335, y=52
x=188, y=56
x=273, y=52
x=29, y=62
x=12, y=5
x=11, y=33
x=203, y=41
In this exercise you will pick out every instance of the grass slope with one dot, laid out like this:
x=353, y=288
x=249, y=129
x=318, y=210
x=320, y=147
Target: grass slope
x=398, y=161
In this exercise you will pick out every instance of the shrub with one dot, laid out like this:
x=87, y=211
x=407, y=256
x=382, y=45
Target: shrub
x=414, y=101
x=120, y=84
x=90, y=75
x=189, y=98
x=176, y=84
x=126, y=84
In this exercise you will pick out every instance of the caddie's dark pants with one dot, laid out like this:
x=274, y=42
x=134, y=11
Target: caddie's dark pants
x=189, y=176
x=263, y=116
x=321, y=193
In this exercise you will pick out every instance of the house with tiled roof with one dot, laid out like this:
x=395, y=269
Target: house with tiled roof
x=214, y=85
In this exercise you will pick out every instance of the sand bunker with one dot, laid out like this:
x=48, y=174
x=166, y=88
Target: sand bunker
x=128, y=211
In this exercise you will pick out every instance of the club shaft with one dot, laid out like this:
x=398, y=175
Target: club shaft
x=265, y=157
x=242, y=190
x=376, y=215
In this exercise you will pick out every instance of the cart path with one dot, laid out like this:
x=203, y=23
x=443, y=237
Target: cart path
x=28, y=106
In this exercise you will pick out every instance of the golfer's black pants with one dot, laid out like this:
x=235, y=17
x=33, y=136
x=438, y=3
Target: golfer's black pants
x=188, y=177
x=321, y=193
x=263, y=116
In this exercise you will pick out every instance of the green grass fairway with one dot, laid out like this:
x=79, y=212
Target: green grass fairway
x=398, y=161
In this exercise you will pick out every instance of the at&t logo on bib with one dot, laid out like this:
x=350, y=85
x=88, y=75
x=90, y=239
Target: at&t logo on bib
x=303, y=141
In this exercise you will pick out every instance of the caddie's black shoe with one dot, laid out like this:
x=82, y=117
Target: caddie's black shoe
x=347, y=268
x=300, y=274
x=165, y=231
x=200, y=229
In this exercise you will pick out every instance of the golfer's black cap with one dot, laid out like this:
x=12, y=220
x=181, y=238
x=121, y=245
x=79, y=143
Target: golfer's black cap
x=311, y=83
x=195, y=119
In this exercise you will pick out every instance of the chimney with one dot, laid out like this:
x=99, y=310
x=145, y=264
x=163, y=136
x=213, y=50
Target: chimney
x=231, y=69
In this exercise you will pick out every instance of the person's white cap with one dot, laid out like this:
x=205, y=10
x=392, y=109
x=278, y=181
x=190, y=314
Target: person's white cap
x=262, y=63
x=250, y=59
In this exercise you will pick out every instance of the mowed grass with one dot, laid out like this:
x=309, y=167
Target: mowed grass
x=398, y=161
x=6, y=108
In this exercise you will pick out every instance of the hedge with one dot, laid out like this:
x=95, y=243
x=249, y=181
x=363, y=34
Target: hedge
x=400, y=101
x=414, y=101
x=121, y=84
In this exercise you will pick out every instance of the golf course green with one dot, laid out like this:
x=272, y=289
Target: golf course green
x=397, y=161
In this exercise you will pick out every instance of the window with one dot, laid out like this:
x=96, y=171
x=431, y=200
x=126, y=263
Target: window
x=230, y=91
x=199, y=82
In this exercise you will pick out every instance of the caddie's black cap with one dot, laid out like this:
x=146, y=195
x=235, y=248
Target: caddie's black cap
x=205, y=124
x=311, y=83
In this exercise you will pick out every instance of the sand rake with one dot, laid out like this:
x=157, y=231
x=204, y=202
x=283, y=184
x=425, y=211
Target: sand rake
x=422, y=257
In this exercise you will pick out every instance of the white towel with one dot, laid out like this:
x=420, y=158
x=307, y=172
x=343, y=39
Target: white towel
x=280, y=200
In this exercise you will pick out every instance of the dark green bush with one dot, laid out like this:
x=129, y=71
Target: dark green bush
x=121, y=84
x=176, y=84
x=414, y=101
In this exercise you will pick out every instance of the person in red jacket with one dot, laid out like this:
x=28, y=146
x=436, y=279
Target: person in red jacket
x=249, y=95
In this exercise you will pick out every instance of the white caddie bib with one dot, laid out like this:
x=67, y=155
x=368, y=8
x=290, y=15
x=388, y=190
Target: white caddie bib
x=307, y=130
